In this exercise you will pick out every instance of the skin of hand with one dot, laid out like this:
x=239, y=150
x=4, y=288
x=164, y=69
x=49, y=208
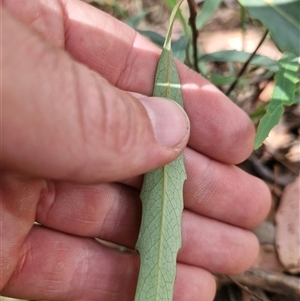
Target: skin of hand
x=78, y=131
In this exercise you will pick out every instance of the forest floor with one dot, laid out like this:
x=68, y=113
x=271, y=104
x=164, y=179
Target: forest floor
x=275, y=276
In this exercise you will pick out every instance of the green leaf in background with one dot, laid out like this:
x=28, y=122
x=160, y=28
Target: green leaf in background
x=153, y=36
x=286, y=80
x=135, y=20
x=259, y=112
x=208, y=8
x=297, y=95
x=221, y=80
x=162, y=201
x=281, y=18
x=241, y=57
x=179, y=48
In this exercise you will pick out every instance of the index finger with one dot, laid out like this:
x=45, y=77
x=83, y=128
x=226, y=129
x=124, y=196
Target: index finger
x=219, y=129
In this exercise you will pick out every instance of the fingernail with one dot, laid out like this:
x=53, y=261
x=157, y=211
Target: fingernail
x=169, y=121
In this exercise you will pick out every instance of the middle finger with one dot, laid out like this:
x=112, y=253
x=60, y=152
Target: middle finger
x=112, y=212
x=216, y=190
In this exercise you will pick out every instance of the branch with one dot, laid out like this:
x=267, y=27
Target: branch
x=246, y=64
x=245, y=288
x=267, y=280
x=192, y=22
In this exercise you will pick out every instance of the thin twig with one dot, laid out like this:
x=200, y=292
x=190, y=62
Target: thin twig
x=269, y=281
x=265, y=172
x=192, y=22
x=245, y=288
x=246, y=64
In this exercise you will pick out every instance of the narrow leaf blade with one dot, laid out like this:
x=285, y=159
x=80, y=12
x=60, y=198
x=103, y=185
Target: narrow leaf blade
x=179, y=48
x=208, y=8
x=286, y=80
x=162, y=200
x=167, y=83
x=160, y=233
x=241, y=57
x=281, y=17
x=153, y=36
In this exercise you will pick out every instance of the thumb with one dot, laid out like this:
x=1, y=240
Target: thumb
x=61, y=120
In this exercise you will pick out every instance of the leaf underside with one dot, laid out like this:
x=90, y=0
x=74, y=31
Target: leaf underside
x=162, y=201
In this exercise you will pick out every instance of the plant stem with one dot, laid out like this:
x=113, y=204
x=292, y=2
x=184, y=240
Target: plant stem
x=192, y=22
x=246, y=64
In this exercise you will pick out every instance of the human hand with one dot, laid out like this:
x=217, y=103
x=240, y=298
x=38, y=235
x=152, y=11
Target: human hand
x=73, y=147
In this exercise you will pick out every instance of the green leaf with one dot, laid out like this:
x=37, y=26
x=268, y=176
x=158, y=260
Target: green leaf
x=241, y=57
x=135, y=20
x=179, y=48
x=281, y=17
x=162, y=201
x=259, y=112
x=286, y=80
x=297, y=94
x=208, y=8
x=153, y=36
x=220, y=80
